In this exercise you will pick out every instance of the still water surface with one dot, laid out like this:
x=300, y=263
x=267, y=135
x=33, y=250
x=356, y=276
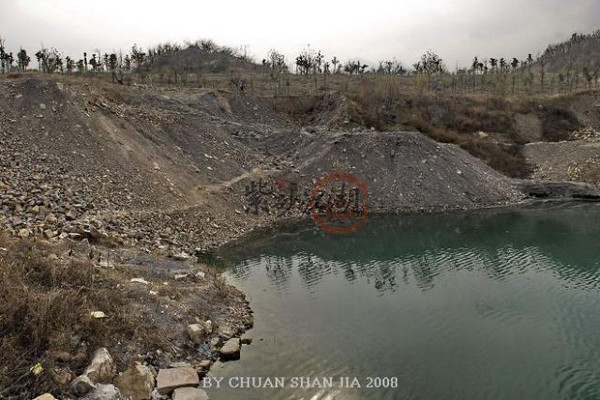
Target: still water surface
x=496, y=304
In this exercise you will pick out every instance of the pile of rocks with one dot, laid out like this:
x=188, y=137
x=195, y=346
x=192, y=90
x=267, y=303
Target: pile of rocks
x=587, y=133
x=178, y=381
x=40, y=201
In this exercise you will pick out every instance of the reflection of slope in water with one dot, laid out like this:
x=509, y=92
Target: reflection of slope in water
x=495, y=304
x=505, y=241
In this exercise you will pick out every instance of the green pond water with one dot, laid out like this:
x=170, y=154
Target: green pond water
x=494, y=304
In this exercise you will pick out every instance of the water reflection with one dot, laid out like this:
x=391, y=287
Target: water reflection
x=499, y=242
x=497, y=304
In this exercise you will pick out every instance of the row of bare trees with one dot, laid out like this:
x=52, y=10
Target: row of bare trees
x=158, y=61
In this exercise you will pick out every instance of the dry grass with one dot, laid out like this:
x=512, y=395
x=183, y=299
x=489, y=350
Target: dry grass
x=447, y=118
x=558, y=121
x=45, y=307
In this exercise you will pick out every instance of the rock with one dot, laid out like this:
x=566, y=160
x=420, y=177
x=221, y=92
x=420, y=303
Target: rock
x=208, y=326
x=45, y=396
x=215, y=342
x=139, y=280
x=158, y=396
x=205, y=364
x=106, y=263
x=190, y=394
x=249, y=321
x=24, y=233
x=49, y=234
x=97, y=315
x=226, y=332
x=137, y=382
x=82, y=385
x=231, y=349
x=181, y=256
x=104, y=392
x=197, y=333
x=70, y=215
x=61, y=376
x=51, y=218
x=102, y=369
x=246, y=341
x=170, y=379
x=179, y=364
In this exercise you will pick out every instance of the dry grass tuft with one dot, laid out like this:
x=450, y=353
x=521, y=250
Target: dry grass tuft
x=45, y=307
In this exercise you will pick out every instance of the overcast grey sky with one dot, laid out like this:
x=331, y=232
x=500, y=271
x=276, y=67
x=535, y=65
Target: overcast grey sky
x=372, y=29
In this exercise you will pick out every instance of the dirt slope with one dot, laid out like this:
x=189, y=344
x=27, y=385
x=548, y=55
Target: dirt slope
x=407, y=171
x=75, y=156
x=167, y=169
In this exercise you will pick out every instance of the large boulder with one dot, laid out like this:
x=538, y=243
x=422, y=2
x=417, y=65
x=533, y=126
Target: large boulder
x=170, y=379
x=188, y=393
x=136, y=382
x=231, y=349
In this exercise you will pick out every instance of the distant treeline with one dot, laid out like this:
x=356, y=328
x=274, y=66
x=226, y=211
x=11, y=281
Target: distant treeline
x=571, y=65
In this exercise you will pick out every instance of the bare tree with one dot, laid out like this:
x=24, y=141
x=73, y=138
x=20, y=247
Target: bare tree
x=2, y=54
x=23, y=59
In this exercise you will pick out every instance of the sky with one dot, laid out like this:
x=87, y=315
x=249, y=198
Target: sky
x=370, y=30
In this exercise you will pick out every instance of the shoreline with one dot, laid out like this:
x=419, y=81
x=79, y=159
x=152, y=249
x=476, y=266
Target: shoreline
x=140, y=187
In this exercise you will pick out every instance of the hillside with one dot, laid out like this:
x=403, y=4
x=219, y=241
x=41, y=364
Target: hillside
x=166, y=169
x=99, y=182
x=197, y=60
x=574, y=54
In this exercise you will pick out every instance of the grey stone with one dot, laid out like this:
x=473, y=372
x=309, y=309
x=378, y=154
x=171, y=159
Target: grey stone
x=102, y=368
x=104, y=392
x=231, y=349
x=82, y=385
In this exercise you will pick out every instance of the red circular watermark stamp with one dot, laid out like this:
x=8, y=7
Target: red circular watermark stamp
x=339, y=203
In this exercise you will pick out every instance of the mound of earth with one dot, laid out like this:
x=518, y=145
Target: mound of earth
x=168, y=169
x=77, y=160
x=406, y=171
